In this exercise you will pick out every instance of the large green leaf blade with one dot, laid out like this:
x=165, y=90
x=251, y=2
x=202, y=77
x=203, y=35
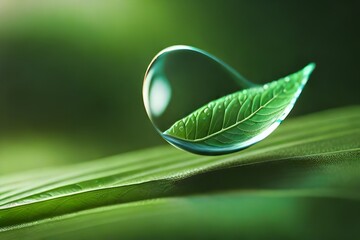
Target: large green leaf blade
x=288, y=208
x=240, y=119
x=318, y=162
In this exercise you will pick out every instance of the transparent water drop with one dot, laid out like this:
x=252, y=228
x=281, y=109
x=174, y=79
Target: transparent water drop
x=200, y=104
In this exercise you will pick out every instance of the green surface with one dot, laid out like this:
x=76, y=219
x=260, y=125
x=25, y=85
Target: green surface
x=302, y=182
x=242, y=116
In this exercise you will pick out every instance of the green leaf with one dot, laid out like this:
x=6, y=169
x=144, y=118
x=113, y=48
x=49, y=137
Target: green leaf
x=301, y=182
x=243, y=118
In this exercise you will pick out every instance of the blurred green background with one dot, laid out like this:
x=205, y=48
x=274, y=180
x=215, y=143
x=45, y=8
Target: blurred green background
x=71, y=72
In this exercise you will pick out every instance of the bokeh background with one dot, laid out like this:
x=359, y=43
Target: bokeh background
x=71, y=72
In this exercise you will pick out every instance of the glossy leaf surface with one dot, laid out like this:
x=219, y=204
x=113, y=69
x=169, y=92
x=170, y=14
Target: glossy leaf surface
x=301, y=182
x=240, y=119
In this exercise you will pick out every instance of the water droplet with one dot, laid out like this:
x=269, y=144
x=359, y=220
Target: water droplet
x=181, y=90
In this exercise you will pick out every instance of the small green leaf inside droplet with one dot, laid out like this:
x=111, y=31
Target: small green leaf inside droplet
x=248, y=116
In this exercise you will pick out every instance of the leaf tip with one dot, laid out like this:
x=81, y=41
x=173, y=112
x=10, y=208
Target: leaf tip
x=306, y=71
x=309, y=68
